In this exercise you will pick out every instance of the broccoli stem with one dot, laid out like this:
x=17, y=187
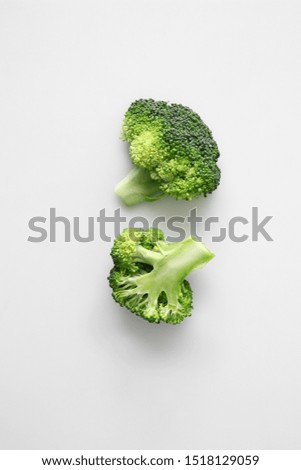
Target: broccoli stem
x=143, y=255
x=180, y=259
x=171, y=267
x=138, y=186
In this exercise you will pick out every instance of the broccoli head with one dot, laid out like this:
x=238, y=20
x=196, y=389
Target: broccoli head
x=173, y=151
x=149, y=274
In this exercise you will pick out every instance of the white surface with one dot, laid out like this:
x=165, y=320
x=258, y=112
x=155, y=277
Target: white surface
x=268, y=459
x=77, y=371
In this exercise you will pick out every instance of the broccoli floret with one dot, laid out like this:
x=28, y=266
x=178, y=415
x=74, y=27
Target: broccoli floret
x=173, y=151
x=149, y=274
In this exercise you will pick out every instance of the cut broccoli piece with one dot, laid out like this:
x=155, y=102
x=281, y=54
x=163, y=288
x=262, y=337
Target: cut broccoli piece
x=148, y=277
x=173, y=151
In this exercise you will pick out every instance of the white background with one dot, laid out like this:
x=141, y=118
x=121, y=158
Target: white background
x=78, y=371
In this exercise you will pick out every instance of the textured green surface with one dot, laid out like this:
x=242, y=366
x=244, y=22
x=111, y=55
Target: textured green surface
x=148, y=277
x=173, y=143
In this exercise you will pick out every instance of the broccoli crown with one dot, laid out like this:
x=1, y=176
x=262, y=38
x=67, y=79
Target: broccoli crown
x=173, y=143
x=148, y=277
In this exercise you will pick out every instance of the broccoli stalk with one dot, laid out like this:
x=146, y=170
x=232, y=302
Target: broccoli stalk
x=171, y=265
x=138, y=186
x=149, y=274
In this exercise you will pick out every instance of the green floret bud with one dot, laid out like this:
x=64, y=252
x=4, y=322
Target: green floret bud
x=173, y=148
x=149, y=277
x=126, y=247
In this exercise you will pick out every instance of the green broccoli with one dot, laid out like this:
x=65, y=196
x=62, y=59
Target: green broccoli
x=148, y=277
x=173, y=151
